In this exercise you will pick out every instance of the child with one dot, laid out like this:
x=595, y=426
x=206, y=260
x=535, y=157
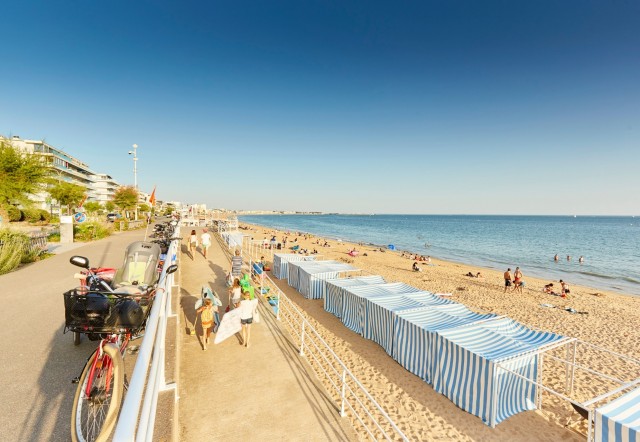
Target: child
x=206, y=318
x=234, y=293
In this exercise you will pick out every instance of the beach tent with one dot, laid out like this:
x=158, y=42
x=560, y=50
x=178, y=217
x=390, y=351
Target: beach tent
x=619, y=420
x=312, y=276
x=380, y=312
x=232, y=239
x=415, y=331
x=467, y=373
x=293, y=276
x=334, y=290
x=353, y=301
x=280, y=263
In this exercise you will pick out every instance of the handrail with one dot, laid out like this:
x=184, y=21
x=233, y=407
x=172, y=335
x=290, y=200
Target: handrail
x=153, y=345
x=348, y=397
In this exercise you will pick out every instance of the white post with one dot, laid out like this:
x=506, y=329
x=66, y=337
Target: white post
x=573, y=365
x=344, y=391
x=302, y=340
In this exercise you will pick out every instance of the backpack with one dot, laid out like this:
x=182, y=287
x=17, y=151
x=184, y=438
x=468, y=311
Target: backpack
x=206, y=316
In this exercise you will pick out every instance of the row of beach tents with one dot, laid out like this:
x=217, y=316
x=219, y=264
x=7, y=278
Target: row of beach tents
x=462, y=354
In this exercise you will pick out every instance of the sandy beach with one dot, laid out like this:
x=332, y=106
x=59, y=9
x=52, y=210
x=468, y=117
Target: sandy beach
x=606, y=319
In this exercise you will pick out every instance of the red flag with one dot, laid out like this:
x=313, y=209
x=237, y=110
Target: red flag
x=152, y=198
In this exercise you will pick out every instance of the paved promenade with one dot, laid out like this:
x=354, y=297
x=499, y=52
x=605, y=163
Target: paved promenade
x=38, y=361
x=233, y=393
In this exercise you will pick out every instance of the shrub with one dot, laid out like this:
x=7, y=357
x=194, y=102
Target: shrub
x=31, y=215
x=54, y=237
x=54, y=220
x=14, y=247
x=91, y=230
x=44, y=215
x=14, y=213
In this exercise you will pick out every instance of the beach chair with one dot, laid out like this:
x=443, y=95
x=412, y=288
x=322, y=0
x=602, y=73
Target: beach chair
x=140, y=265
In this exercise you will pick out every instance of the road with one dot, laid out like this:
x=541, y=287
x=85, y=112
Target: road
x=38, y=361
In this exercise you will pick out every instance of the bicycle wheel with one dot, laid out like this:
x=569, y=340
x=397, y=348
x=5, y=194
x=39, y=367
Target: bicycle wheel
x=76, y=338
x=94, y=416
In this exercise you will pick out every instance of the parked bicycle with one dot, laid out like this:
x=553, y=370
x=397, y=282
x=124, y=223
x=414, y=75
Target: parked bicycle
x=115, y=315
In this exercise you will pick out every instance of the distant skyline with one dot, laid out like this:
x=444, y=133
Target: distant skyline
x=425, y=107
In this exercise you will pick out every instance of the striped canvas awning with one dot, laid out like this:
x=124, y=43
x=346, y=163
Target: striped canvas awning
x=280, y=263
x=293, y=277
x=353, y=301
x=415, y=334
x=233, y=239
x=619, y=420
x=467, y=373
x=334, y=290
x=379, y=314
x=311, y=279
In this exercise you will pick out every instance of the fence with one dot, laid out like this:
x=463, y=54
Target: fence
x=350, y=396
x=148, y=378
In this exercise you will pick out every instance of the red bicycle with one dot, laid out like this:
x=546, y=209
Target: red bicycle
x=116, y=317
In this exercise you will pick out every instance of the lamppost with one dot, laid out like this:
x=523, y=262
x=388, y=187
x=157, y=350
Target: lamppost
x=135, y=175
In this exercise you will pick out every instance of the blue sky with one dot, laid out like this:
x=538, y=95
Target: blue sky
x=499, y=107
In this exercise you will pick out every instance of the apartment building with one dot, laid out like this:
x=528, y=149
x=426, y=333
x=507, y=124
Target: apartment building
x=100, y=186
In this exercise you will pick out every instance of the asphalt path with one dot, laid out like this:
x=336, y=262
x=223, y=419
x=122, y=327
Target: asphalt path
x=38, y=361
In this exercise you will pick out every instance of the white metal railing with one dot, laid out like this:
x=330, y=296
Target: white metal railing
x=151, y=362
x=352, y=398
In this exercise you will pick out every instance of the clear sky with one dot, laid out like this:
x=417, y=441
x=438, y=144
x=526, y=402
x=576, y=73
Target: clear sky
x=500, y=107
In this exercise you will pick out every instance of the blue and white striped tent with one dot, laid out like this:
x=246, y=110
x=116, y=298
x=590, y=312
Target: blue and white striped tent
x=334, y=290
x=293, y=276
x=280, y=263
x=311, y=278
x=353, y=301
x=619, y=420
x=414, y=335
x=232, y=239
x=467, y=371
x=380, y=312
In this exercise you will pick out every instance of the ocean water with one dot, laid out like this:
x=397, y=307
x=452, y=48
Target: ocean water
x=610, y=245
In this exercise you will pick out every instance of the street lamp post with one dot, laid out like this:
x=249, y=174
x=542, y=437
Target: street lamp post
x=135, y=175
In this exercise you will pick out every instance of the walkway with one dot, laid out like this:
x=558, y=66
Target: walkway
x=233, y=393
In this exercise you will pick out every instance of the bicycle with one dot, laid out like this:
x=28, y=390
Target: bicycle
x=117, y=317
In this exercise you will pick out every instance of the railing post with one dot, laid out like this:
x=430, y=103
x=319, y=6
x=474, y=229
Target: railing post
x=278, y=306
x=302, y=340
x=343, y=394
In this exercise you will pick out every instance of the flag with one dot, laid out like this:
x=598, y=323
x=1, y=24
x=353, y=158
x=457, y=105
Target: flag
x=152, y=198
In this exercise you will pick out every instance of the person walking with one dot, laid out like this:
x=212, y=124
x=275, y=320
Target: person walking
x=236, y=264
x=193, y=242
x=206, y=319
x=205, y=239
x=247, y=308
x=507, y=279
x=517, y=280
x=235, y=293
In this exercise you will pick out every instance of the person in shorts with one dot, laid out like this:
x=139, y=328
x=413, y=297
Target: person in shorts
x=205, y=239
x=507, y=279
x=247, y=309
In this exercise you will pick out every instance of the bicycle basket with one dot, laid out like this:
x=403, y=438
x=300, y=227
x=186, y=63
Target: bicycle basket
x=86, y=310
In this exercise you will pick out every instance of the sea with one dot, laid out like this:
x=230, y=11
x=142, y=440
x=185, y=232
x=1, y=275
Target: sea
x=610, y=245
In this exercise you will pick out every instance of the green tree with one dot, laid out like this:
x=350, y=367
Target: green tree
x=92, y=207
x=67, y=194
x=21, y=175
x=125, y=198
x=109, y=206
x=144, y=208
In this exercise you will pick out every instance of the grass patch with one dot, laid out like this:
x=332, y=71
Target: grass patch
x=91, y=231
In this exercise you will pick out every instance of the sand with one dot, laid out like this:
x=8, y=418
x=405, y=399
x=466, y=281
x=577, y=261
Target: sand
x=610, y=320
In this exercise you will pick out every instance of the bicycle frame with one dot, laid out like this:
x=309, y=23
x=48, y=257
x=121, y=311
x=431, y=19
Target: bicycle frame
x=98, y=362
